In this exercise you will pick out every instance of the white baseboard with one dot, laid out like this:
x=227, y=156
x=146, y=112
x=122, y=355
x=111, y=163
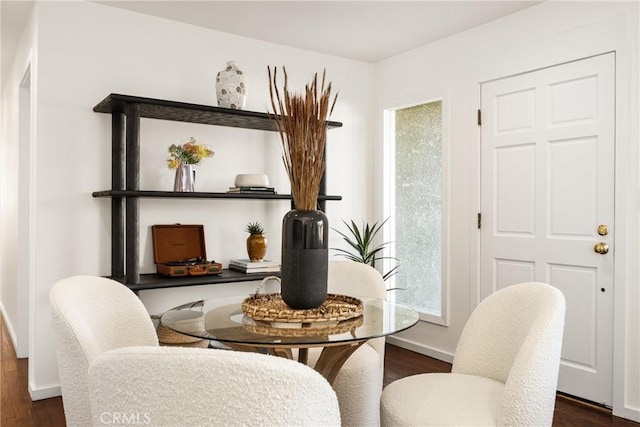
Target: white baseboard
x=420, y=348
x=632, y=414
x=34, y=393
x=44, y=392
x=7, y=322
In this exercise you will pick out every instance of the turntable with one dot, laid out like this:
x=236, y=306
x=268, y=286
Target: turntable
x=179, y=250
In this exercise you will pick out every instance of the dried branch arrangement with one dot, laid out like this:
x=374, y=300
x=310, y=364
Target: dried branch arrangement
x=302, y=124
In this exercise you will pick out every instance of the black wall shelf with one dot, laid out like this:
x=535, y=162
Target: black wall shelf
x=157, y=281
x=126, y=112
x=192, y=113
x=200, y=195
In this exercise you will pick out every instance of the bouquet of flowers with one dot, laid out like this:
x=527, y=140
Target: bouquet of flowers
x=189, y=153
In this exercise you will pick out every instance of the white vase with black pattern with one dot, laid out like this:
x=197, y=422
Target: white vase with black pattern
x=230, y=87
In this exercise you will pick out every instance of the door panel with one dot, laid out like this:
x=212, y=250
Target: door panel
x=578, y=284
x=547, y=184
x=515, y=180
x=572, y=197
x=510, y=271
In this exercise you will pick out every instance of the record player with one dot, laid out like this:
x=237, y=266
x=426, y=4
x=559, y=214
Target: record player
x=179, y=250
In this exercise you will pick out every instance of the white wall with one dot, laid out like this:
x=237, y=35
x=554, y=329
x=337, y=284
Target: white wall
x=83, y=51
x=448, y=65
x=86, y=51
x=13, y=291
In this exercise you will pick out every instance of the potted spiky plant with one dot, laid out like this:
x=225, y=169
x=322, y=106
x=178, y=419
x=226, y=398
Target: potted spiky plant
x=361, y=239
x=256, y=242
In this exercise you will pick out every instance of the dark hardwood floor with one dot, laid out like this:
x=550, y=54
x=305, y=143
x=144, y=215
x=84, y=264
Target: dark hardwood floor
x=18, y=410
x=16, y=407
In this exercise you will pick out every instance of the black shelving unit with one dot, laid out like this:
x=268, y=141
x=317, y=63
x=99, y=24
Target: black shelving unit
x=125, y=193
x=158, y=281
x=201, y=195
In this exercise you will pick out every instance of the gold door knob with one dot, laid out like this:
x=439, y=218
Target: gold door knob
x=601, y=248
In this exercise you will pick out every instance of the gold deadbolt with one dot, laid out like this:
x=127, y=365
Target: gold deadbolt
x=603, y=230
x=601, y=248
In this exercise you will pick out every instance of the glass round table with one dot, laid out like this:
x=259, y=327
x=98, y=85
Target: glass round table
x=223, y=320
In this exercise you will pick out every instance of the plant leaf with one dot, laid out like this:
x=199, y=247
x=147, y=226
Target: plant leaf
x=361, y=239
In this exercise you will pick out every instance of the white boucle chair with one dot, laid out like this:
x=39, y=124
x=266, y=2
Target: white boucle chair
x=92, y=315
x=359, y=381
x=505, y=368
x=172, y=386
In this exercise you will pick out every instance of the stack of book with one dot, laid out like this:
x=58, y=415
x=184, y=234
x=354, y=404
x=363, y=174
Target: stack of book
x=258, y=190
x=247, y=266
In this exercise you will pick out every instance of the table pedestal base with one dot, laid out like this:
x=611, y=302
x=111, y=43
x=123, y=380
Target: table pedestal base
x=328, y=364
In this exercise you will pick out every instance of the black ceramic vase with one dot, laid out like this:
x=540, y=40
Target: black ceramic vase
x=305, y=258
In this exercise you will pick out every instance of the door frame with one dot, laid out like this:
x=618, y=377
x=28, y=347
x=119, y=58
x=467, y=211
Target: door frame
x=533, y=235
x=606, y=36
x=24, y=188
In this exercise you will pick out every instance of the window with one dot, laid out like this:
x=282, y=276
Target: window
x=415, y=182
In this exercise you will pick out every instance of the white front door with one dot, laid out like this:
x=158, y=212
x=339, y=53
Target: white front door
x=547, y=196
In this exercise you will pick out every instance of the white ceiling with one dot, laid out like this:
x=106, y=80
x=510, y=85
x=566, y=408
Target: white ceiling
x=362, y=30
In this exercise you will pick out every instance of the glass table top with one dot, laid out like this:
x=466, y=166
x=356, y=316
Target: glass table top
x=222, y=319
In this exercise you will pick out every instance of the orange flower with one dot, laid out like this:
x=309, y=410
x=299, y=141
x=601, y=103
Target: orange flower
x=190, y=153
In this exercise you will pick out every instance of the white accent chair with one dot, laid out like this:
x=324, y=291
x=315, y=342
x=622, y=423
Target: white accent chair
x=92, y=315
x=359, y=381
x=171, y=386
x=505, y=368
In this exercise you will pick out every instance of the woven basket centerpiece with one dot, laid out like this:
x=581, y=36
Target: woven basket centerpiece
x=303, y=330
x=271, y=308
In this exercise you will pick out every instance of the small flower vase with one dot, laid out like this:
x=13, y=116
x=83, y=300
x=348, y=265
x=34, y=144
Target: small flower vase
x=256, y=247
x=230, y=88
x=305, y=259
x=185, y=178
